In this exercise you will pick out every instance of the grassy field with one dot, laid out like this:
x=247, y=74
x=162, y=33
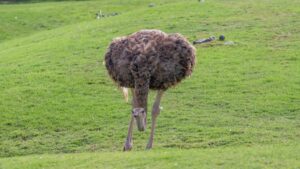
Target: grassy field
x=226, y=158
x=240, y=109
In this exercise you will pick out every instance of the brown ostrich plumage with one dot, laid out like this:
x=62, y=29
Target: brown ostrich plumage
x=149, y=59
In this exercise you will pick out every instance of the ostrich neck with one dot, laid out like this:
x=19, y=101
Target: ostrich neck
x=141, y=94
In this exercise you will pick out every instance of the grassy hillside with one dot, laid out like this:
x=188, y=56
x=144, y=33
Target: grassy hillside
x=226, y=158
x=55, y=95
x=24, y=19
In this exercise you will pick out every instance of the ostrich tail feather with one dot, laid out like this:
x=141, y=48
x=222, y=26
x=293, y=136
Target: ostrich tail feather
x=125, y=93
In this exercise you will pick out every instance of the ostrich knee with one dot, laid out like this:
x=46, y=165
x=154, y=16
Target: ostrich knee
x=156, y=110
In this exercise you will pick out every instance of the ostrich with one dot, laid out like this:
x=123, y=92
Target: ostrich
x=148, y=59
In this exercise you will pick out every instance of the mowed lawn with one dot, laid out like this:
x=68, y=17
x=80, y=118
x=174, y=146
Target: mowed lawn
x=239, y=109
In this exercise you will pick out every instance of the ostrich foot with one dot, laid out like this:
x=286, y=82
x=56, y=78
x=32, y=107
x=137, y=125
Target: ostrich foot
x=149, y=146
x=127, y=146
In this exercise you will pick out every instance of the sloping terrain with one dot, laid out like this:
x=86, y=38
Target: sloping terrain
x=19, y=20
x=274, y=157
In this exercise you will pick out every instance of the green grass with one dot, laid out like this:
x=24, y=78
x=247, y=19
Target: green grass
x=226, y=158
x=24, y=19
x=56, y=97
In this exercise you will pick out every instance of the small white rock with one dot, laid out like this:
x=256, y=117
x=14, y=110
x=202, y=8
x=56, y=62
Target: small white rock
x=229, y=43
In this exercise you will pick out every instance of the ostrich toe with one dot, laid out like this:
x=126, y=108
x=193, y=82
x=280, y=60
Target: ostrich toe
x=127, y=146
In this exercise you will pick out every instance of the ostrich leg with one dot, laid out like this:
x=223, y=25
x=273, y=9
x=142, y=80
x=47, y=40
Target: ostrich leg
x=155, y=113
x=128, y=143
